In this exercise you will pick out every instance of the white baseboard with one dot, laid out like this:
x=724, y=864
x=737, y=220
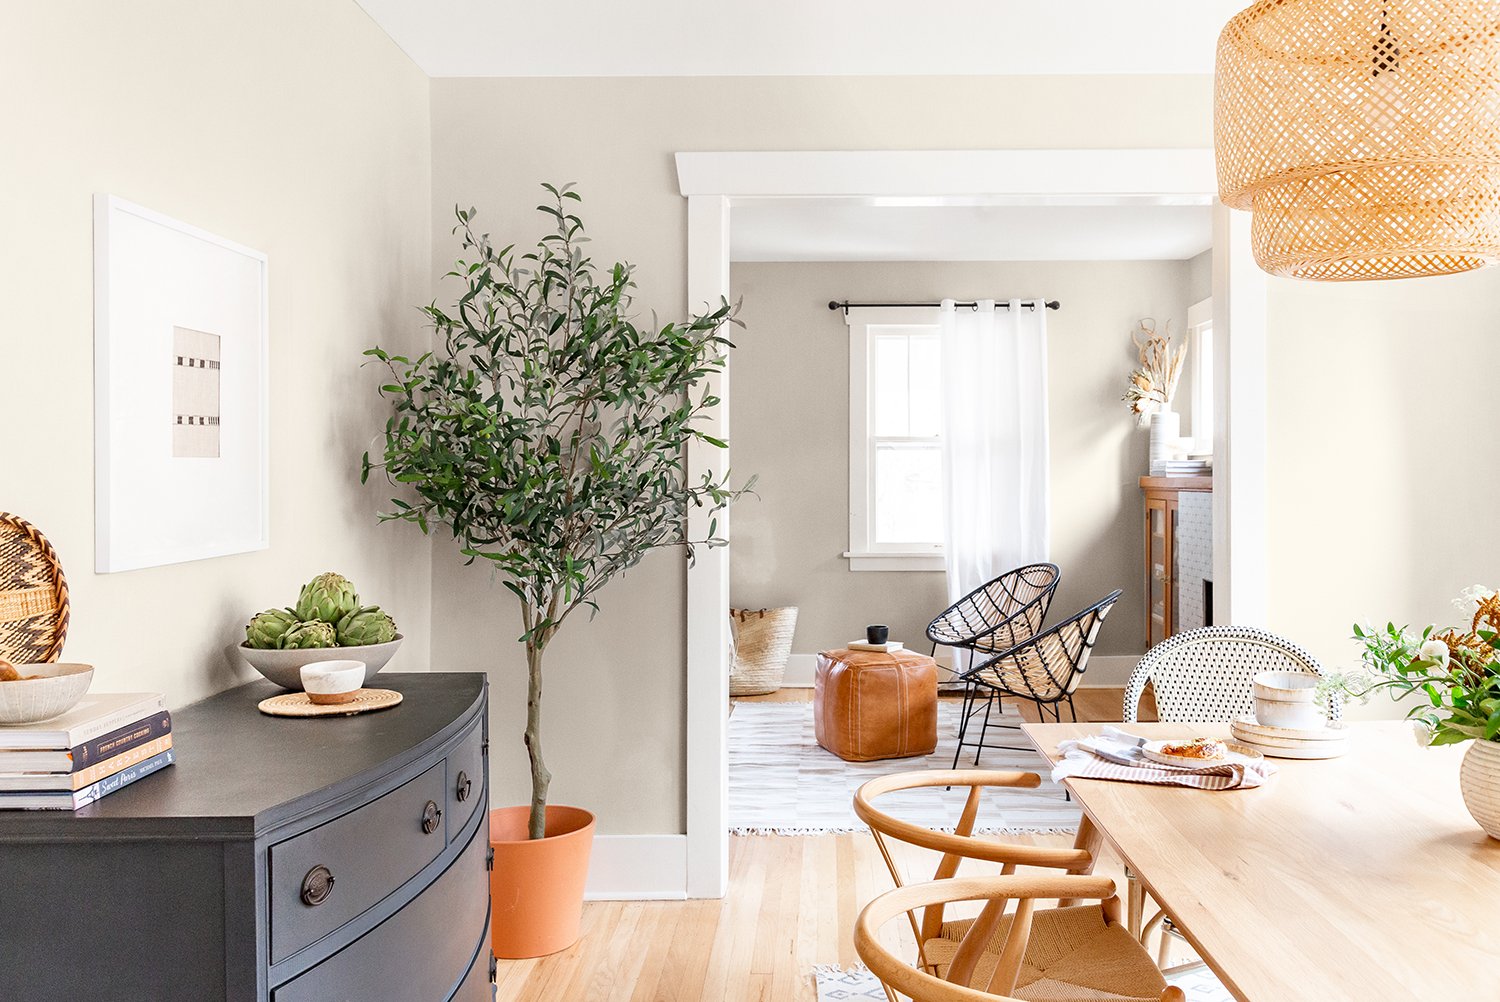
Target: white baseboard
x=638, y=868
x=1105, y=670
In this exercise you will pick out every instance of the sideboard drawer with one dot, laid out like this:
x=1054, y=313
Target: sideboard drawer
x=465, y=778
x=477, y=986
x=323, y=878
x=419, y=953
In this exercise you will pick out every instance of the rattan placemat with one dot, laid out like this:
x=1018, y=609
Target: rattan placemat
x=33, y=594
x=296, y=704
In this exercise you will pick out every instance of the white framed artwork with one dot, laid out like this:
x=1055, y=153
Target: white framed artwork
x=181, y=436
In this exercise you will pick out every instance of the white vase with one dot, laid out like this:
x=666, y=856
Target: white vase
x=1479, y=778
x=1166, y=428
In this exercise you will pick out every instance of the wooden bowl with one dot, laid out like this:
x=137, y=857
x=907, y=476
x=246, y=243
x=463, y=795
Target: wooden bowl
x=30, y=701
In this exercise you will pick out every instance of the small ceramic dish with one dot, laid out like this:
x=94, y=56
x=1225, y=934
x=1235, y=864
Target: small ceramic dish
x=32, y=700
x=331, y=682
x=1152, y=750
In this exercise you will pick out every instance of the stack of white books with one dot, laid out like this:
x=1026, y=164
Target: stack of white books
x=1183, y=468
x=105, y=743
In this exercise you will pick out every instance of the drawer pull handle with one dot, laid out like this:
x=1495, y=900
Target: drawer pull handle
x=432, y=815
x=317, y=886
x=465, y=786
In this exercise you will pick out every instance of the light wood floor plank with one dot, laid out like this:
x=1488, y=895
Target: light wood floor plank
x=791, y=905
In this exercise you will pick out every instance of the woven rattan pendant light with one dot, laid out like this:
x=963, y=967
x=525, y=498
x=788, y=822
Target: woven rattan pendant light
x=1363, y=136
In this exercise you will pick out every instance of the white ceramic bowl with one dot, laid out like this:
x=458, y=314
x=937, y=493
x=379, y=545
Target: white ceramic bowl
x=30, y=701
x=1287, y=699
x=332, y=681
x=285, y=667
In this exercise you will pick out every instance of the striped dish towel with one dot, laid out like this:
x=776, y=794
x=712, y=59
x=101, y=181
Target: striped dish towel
x=1113, y=754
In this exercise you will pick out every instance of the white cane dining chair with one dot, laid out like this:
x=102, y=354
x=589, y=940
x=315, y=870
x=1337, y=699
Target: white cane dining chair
x=1207, y=676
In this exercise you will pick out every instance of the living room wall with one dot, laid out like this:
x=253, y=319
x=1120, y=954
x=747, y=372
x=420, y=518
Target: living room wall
x=789, y=401
x=615, y=699
x=296, y=127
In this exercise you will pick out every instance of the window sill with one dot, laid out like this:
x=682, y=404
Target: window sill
x=895, y=561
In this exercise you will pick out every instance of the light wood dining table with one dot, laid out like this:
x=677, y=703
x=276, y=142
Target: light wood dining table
x=1356, y=878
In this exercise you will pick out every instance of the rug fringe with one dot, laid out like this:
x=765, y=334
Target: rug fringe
x=860, y=830
x=827, y=970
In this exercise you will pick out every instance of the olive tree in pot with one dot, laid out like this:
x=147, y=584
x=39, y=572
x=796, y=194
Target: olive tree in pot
x=547, y=432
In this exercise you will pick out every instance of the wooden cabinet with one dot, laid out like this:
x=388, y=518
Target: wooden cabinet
x=297, y=860
x=1163, y=496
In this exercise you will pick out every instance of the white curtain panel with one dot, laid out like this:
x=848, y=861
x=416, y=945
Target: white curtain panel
x=994, y=440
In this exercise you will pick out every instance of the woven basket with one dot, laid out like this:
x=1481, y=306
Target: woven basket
x=762, y=644
x=1364, y=135
x=33, y=594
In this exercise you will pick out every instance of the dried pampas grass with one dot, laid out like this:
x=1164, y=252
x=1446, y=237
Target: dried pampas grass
x=1154, y=383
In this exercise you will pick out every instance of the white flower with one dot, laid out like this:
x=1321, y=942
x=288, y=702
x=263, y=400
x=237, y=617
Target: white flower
x=1421, y=732
x=1435, y=650
x=1468, y=600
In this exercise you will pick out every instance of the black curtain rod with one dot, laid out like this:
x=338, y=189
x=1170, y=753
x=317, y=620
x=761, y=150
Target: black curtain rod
x=846, y=306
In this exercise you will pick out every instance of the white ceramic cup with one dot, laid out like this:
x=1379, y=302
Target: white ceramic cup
x=333, y=681
x=1288, y=699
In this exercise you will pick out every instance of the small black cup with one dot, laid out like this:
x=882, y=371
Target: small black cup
x=877, y=634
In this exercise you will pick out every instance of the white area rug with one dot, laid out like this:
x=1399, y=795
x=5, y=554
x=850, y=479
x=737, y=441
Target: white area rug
x=782, y=783
x=858, y=984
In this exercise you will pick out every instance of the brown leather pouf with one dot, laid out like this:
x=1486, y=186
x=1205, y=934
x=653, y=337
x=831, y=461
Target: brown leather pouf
x=870, y=705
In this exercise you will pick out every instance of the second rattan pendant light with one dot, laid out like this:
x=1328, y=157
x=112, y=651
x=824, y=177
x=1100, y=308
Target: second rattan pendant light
x=1364, y=137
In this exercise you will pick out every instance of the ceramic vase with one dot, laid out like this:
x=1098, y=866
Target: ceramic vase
x=1166, y=428
x=1479, y=778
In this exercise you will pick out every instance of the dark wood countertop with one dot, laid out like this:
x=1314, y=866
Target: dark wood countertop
x=240, y=773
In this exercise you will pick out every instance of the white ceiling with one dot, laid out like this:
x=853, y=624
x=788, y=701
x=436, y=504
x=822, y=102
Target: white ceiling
x=465, y=38
x=859, y=230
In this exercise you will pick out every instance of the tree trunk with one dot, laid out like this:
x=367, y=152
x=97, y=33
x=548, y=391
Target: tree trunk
x=540, y=777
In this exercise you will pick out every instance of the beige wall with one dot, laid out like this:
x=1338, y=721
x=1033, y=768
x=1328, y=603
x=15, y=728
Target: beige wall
x=789, y=397
x=1380, y=483
x=295, y=127
x=614, y=709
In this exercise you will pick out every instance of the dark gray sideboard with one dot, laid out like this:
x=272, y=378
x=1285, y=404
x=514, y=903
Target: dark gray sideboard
x=280, y=860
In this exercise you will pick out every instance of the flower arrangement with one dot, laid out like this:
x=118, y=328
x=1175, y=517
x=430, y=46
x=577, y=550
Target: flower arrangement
x=1458, y=669
x=1154, y=382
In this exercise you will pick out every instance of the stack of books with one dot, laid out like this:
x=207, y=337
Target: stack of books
x=106, y=742
x=1184, y=468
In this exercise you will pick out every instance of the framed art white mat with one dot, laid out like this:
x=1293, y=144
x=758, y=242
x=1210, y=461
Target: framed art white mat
x=181, y=439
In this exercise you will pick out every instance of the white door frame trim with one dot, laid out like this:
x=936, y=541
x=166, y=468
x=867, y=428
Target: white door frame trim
x=714, y=182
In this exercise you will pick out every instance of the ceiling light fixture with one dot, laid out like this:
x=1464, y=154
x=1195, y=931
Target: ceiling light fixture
x=1363, y=136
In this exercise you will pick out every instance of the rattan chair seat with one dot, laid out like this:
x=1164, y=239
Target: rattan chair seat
x=1073, y=955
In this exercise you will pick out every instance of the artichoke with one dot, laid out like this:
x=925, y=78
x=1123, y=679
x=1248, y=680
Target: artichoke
x=368, y=625
x=308, y=635
x=329, y=597
x=267, y=629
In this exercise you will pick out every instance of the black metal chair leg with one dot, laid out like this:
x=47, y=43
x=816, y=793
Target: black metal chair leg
x=984, y=728
x=963, y=721
x=1072, y=709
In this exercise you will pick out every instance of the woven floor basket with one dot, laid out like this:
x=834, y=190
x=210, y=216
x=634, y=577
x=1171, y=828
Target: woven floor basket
x=33, y=594
x=763, y=642
x=1364, y=135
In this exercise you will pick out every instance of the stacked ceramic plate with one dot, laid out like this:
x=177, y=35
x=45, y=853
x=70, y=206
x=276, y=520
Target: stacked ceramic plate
x=1329, y=741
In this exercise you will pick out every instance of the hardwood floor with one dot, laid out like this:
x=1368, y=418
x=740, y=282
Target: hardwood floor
x=791, y=906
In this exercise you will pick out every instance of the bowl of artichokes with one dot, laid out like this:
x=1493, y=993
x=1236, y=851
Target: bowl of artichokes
x=328, y=623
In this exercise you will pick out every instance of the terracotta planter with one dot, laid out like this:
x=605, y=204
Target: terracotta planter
x=536, y=887
x=1479, y=778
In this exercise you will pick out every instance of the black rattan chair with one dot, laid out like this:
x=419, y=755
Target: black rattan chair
x=999, y=615
x=1044, y=670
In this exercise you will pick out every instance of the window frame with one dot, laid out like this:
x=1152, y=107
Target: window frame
x=864, y=554
x=1200, y=320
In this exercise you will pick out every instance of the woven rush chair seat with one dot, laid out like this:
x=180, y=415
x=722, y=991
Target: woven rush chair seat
x=1013, y=951
x=33, y=594
x=1073, y=955
x=1207, y=675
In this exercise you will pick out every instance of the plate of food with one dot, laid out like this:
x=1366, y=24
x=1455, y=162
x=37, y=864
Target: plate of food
x=1195, y=753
